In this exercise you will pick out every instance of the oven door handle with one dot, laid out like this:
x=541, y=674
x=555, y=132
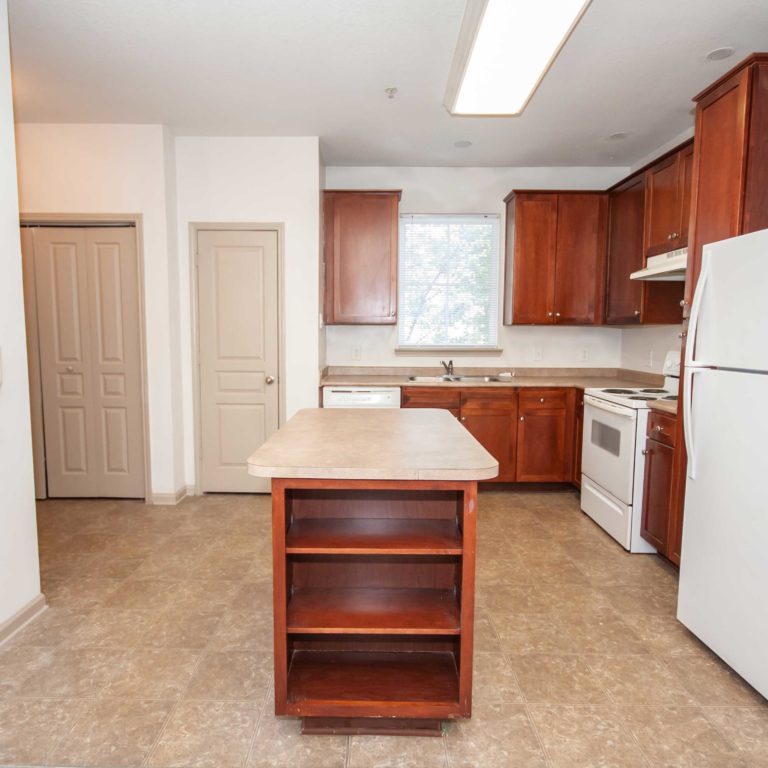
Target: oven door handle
x=618, y=410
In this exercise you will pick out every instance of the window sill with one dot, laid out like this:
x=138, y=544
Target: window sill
x=474, y=351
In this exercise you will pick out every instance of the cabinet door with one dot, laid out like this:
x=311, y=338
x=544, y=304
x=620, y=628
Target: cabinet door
x=543, y=451
x=686, y=179
x=360, y=242
x=578, y=430
x=625, y=252
x=533, y=279
x=580, y=258
x=657, y=489
x=491, y=417
x=663, y=219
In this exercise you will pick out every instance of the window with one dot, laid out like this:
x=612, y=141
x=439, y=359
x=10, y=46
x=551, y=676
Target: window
x=449, y=281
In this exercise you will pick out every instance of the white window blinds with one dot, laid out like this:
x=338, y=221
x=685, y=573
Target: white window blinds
x=448, y=280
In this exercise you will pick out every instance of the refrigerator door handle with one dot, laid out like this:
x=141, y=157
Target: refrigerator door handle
x=693, y=321
x=687, y=425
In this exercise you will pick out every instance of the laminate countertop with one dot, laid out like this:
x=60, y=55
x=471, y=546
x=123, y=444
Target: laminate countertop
x=373, y=444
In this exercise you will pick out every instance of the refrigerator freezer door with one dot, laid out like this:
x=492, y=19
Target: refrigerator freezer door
x=724, y=559
x=728, y=327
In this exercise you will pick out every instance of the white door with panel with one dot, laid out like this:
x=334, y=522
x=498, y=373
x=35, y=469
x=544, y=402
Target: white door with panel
x=88, y=316
x=237, y=300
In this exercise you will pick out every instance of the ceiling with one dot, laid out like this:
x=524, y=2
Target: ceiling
x=311, y=68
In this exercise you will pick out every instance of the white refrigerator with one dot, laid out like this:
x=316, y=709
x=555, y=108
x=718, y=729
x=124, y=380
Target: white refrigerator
x=723, y=596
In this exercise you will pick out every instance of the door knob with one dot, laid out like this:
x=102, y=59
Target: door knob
x=70, y=369
x=270, y=380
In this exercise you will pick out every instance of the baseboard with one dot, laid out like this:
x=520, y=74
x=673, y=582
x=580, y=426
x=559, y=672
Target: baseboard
x=169, y=499
x=22, y=617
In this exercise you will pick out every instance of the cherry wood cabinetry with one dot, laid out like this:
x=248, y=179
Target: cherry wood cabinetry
x=544, y=436
x=578, y=433
x=491, y=416
x=530, y=432
x=360, y=256
x=555, y=257
x=657, y=525
x=374, y=603
x=667, y=202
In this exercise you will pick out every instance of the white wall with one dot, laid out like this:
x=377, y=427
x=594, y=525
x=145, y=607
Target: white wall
x=475, y=190
x=260, y=180
x=120, y=169
x=643, y=349
x=19, y=569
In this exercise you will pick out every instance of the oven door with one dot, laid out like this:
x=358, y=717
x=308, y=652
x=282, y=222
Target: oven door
x=608, y=447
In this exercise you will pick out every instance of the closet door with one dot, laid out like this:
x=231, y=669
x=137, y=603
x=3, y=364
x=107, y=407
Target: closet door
x=88, y=326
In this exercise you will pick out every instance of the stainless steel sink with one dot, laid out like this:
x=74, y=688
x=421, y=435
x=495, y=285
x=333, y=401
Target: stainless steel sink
x=431, y=379
x=476, y=378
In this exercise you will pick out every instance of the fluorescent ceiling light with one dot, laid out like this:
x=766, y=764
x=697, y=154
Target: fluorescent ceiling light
x=505, y=48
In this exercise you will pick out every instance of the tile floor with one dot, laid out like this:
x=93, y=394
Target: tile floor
x=155, y=651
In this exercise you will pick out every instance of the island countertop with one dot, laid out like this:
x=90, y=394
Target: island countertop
x=373, y=444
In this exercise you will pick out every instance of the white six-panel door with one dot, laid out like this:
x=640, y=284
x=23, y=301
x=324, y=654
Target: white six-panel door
x=87, y=296
x=237, y=297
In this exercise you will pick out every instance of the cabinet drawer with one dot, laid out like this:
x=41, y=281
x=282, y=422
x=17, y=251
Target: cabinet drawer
x=487, y=400
x=431, y=397
x=661, y=427
x=536, y=399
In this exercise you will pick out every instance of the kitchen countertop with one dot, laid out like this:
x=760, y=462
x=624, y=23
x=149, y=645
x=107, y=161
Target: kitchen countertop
x=664, y=406
x=563, y=377
x=373, y=444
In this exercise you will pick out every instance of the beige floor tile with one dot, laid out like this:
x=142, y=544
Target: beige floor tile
x=204, y=595
x=30, y=728
x=154, y=674
x=396, y=752
x=243, y=675
x=254, y=596
x=557, y=680
x=224, y=566
x=279, y=743
x=143, y=594
x=206, y=734
x=181, y=627
x=745, y=728
x=167, y=567
x=713, y=683
x=485, y=638
x=680, y=737
x=493, y=681
x=53, y=627
x=495, y=737
x=112, y=733
x=586, y=737
x=76, y=592
x=643, y=600
x=664, y=635
x=110, y=628
x=106, y=566
x=639, y=680
x=244, y=631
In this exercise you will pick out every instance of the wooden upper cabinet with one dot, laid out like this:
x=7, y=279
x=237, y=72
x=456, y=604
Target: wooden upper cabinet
x=667, y=203
x=556, y=242
x=360, y=253
x=729, y=193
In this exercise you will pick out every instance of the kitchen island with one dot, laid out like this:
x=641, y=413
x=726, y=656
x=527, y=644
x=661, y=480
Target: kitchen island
x=373, y=534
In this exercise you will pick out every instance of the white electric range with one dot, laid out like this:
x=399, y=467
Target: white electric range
x=613, y=463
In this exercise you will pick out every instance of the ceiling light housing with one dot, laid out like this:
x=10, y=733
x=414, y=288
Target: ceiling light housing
x=721, y=53
x=462, y=144
x=505, y=49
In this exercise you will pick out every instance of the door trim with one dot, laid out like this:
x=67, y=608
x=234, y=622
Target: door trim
x=97, y=220
x=202, y=226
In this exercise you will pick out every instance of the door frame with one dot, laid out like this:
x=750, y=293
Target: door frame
x=223, y=226
x=95, y=220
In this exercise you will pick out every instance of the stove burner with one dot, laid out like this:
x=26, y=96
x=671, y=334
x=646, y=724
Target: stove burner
x=670, y=397
x=642, y=397
x=655, y=391
x=620, y=391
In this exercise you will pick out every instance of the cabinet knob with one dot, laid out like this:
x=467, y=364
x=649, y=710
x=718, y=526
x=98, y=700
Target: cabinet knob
x=463, y=418
x=549, y=314
x=659, y=428
x=646, y=451
x=637, y=313
x=522, y=418
x=541, y=399
x=557, y=314
x=675, y=234
x=683, y=303
x=392, y=313
x=681, y=335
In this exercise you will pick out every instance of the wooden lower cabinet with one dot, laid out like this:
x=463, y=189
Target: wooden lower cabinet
x=491, y=417
x=374, y=603
x=544, y=427
x=658, y=525
x=534, y=434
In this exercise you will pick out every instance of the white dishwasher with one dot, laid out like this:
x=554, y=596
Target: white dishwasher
x=361, y=397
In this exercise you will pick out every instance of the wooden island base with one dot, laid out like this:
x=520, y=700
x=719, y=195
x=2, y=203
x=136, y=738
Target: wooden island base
x=373, y=603
x=370, y=726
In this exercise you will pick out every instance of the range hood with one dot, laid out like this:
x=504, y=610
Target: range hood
x=667, y=266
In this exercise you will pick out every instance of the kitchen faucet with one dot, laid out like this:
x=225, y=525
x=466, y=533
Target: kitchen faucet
x=448, y=367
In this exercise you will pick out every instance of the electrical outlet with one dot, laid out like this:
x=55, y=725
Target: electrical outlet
x=584, y=355
x=538, y=354
x=650, y=359
x=357, y=352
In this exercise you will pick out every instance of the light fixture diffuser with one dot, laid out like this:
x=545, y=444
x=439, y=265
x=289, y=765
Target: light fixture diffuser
x=504, y=50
